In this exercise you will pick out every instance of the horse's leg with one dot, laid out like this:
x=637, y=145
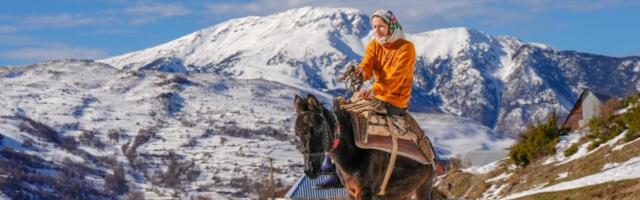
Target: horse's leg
x=424, y=191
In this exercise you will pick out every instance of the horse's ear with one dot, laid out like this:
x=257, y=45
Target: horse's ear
x=313, y=103
x=300, y=105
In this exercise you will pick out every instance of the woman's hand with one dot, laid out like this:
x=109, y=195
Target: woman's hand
x=359, y=72
x=364, y=94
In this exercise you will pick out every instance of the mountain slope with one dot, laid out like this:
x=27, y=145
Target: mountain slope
x=222, y=131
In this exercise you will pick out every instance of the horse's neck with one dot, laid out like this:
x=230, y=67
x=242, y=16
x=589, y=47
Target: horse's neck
x=346, y=151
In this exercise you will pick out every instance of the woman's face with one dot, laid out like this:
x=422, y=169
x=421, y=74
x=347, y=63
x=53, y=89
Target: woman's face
x=380, y=28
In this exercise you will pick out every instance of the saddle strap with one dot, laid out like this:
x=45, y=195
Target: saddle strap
x=392, y=163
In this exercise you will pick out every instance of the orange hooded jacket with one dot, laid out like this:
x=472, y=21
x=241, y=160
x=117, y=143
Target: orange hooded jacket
x=392, y=64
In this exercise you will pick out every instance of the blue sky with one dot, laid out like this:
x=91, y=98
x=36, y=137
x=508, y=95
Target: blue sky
x=33, y=31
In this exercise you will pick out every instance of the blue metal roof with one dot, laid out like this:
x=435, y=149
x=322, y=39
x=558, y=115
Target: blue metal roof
x=304, y=189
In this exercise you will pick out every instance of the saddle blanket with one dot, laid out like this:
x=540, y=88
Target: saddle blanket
x=374, y=129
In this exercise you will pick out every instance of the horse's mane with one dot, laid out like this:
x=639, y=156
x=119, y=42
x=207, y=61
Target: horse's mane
x=333, y=120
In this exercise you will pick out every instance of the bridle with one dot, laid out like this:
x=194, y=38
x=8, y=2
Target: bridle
x=334, y=143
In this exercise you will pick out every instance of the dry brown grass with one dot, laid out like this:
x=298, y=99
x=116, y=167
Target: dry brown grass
x=538, y=174
x=627, y=189
x=463, y=184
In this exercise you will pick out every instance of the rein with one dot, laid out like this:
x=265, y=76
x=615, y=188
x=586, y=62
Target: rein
x=336, y=133
x=353, y=81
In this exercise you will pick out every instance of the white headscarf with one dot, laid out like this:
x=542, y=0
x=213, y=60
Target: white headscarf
x=394, y=27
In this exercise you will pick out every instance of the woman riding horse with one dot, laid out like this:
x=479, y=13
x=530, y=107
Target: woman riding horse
x=321, y=131
x=389, y=57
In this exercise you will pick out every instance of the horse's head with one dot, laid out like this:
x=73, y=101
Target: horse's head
x=311, y=127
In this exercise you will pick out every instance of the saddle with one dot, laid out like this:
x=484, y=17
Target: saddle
x=397, y=135
x=374, y=129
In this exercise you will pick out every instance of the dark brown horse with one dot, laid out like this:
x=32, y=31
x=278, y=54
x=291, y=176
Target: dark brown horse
x=361, y=170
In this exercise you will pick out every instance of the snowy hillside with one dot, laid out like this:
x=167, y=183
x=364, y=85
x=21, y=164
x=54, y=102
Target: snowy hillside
x=502, y=82
x=224, y=126
x=608, y=172
x=76, y=112
x=587, y=164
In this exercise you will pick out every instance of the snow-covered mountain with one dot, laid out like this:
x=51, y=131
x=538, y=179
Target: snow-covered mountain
x=300, y=47
x=502, y=82
x=76, y=115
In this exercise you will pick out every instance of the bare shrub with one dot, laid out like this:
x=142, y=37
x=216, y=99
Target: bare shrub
x=27, y=143
x=115, y=134
x=124, y=147
x=191, y=143
x=177, y=171
x=73, y=169
x=136, y=196
x=108, y=160
x=207, y=133
x=141, y=165
x=201, y=198
x=116, y=182
x=89, y=138
x=38, y=129
x=144, y=135
x=69, y=143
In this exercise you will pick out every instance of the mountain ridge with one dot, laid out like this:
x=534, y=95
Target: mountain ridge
x=497, y=81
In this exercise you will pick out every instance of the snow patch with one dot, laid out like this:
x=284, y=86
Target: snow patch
x=565, y=142
x=493, y=192
x=621, y=146
x=482, y=169
x=442, y=43
x=623, y=171
x=502, y=176
x=583, y=151
x=562, y=175
x=609, y=166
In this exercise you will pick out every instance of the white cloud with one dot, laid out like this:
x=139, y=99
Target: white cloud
x=7, y=28
x=576, y=5
x=60, y=21
x=114, y=31
x=11, y=40
x=421, y=15
x=136, y=13
x=149, y=12
x=37, y=54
